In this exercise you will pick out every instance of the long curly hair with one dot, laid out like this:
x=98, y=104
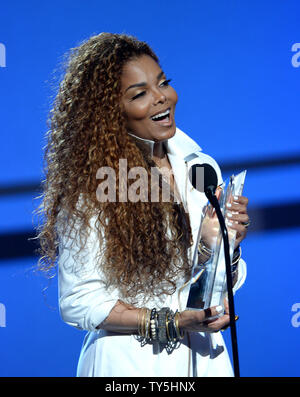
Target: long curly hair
x=144, y=244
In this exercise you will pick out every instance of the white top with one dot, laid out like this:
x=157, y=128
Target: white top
x=84, y=302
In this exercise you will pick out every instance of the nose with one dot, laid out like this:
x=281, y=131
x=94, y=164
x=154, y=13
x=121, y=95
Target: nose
x=159, y=97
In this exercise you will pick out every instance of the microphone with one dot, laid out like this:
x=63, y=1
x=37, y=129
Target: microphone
x=204, y=178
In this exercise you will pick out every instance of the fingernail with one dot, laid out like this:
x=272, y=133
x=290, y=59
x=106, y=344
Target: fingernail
x=229, y=205
x=229, y=214
x=236, y=197
x=219, y=309
x=229, y=223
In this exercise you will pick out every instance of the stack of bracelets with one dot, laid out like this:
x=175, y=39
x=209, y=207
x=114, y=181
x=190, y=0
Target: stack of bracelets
x=159, y=326
x=235, y=261
x=206, y=252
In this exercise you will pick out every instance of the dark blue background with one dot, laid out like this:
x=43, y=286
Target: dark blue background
x=231, y=64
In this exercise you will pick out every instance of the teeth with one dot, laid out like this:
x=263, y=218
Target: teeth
x=161, y=114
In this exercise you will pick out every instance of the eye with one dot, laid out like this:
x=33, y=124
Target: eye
x=166, y=83
x=138, y=95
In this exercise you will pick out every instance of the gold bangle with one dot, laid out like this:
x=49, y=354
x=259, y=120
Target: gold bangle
x=145, y=324
x=203, y=249
x=143, y=330
x=139, y=321
x=238, y=258
x=180, y=335
x=167, y=327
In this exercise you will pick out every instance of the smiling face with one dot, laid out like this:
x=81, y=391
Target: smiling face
x=146, y=93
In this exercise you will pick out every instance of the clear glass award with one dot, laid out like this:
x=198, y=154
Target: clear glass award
x=208, y=286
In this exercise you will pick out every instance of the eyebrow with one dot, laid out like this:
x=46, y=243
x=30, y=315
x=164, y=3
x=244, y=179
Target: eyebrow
x=142, y=84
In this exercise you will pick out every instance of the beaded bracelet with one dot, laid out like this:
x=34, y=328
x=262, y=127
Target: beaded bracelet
x=153, y=324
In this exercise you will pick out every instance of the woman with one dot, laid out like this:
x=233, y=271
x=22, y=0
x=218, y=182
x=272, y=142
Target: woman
x=124, y=255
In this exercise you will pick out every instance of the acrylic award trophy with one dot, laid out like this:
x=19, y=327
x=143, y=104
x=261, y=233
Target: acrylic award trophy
x=208, y=285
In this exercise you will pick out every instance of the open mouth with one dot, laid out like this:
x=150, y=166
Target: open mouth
x=162, y=117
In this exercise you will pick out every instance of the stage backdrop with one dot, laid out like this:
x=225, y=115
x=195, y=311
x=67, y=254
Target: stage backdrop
x=236, y=68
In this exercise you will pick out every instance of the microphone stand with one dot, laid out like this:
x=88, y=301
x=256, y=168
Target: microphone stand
x=215, y=203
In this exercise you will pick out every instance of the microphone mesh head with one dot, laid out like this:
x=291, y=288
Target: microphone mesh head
x=203, y=177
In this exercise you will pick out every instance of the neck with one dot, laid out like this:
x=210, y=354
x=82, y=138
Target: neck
x=159, y=150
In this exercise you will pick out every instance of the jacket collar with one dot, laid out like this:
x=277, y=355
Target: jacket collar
x=180, y=145
x=144, y=144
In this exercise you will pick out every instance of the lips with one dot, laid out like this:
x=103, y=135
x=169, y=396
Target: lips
x=163, y=118
x=161, y=115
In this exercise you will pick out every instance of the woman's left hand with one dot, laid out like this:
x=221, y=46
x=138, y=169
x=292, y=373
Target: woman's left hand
x=237, y=217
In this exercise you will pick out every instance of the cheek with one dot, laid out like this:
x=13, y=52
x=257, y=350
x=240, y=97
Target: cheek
x=173, y=96
x=137, y=112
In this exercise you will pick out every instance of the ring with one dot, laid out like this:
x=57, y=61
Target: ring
x=246, y=224
x=236, y=317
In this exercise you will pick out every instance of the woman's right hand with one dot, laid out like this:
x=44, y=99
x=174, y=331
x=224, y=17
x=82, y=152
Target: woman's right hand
x=208, y=320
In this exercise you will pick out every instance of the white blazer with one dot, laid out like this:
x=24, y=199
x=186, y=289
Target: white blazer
x=84, y=301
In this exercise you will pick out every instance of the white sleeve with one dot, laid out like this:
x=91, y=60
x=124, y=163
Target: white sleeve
x=84, y=302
